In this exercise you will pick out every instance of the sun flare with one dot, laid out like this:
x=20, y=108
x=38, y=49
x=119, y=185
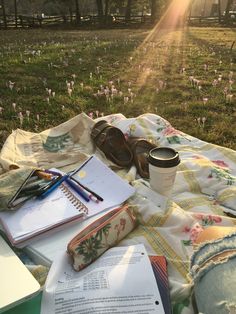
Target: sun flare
x=172, y=26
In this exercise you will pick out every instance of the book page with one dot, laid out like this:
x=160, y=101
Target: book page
x=120, y=281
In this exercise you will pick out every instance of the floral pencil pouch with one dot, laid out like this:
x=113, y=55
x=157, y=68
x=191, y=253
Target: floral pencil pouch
x=99, y=236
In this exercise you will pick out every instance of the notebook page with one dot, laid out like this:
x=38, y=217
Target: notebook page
x=40, y=214
x=99, y=178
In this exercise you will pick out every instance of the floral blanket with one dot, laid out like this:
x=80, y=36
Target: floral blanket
x=204, y=190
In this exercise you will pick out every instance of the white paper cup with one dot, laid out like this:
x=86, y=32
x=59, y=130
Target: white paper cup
x=163, y=162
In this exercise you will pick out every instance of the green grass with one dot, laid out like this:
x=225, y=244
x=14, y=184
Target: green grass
x=150, y=73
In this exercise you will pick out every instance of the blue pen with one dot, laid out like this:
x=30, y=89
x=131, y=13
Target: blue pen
x=77, y=189
x=54, y=186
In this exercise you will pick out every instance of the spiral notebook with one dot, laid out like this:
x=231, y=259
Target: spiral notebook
x=38, y=216
x=63, y=206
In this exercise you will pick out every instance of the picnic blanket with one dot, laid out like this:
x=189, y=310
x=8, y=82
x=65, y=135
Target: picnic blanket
x=205, y=185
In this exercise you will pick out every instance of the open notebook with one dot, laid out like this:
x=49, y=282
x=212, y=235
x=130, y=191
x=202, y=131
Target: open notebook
x=17, y=284
x=63, y=206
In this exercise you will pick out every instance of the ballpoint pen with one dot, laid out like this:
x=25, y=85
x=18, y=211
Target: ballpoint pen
x=72, y=173
x=87, y=189
x=77, y=189
x=53, y=186
x=82, y=166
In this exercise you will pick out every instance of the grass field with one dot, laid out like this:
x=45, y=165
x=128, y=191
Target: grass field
x=188, y=77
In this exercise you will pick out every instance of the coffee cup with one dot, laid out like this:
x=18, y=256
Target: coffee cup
x=163, y=162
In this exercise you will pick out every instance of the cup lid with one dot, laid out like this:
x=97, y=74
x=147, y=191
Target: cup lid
x=163, y=157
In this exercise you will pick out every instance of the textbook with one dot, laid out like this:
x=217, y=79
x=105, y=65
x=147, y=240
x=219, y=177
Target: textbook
x=64, y=206
x=17, y=284
x=159, y=266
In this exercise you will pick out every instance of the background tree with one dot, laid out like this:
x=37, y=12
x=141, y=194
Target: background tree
x=106, y=11
x=4, y=13
x=154, y=10
x=77, y=12
x=158, y=7
x=15, y=9
x=228, y=7
x=62, y=7
x=128, y=11
x=219, y=10
x=100, y=11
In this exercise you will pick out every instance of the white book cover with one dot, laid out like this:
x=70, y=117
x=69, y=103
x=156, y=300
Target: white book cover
x=17, y=283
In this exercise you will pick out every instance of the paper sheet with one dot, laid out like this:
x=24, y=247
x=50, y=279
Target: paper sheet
x=120, y=281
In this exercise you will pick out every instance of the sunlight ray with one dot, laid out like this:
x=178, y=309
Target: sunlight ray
x=172, y=28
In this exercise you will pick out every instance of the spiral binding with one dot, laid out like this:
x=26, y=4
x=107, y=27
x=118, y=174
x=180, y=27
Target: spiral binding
x=73, y=199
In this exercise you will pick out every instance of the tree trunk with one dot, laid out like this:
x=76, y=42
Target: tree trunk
x=154, y=10
x=100, y=11
x=228, y=6
x=15, y=9
x=106, y=11
x=128, y=11
x=204, y=8
x=190, y=11
x=4, y=14
x=71, y=14
x=77, y=12
x=219, y=10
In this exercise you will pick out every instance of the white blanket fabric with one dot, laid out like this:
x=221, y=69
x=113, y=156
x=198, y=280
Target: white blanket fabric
x=204, y=189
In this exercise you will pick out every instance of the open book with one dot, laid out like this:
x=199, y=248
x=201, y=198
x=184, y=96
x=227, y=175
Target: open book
x=63, y=206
